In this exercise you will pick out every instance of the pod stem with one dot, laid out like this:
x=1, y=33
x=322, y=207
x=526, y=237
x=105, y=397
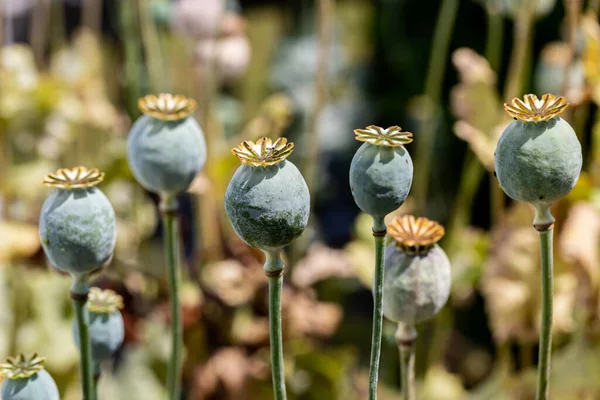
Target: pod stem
x=78, y=294
x=274, y=269
x=97, y=374
x=544, y=223
x=406, y=337
x=379, y=232
x=168, y=208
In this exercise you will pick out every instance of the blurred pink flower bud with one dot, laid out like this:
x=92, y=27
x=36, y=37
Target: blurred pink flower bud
x=198, y=18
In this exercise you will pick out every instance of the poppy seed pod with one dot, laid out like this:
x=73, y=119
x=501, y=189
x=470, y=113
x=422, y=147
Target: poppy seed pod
x=166, y=147
x=77, y=223
x=106, y=328
x=26, y=379
x=538, y=157
x=417, y=271
x=381, y=171
x=267, y=199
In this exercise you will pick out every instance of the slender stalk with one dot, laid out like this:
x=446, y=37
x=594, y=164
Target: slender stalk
x=325, y=16
x=406, y=336
x=523, y=31
x=495, y=36
x=169, y=207
x=78, y=294
x=544, y=223
x=159, y=81
x=433, y=89
x=274, y=269
x=97, y=374
x=379, y=231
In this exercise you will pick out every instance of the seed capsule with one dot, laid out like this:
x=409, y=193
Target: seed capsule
x=381, y=171
x=26, y=379
x=267, y=199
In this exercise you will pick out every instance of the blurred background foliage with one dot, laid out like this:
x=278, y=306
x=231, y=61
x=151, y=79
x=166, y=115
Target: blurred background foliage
x=71, y=72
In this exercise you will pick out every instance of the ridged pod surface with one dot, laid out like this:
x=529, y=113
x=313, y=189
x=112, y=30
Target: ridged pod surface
x=166, y=147
x=381, y=174
x=538, y=162
x=268, y=203
x=39, y=386
x=106, y=334
x=416, y=286
x=78, y=229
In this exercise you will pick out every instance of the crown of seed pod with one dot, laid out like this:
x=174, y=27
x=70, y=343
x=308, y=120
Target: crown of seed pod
x=267, y=199
x=538, y=157
x=26, y=379
x=77, y=223
x=417, y=271
x=381, y=171
x=166, y=147
x=106, y=327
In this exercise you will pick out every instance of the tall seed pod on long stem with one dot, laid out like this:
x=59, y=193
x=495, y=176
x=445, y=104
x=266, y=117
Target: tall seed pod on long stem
x=381, y=175
x=538, y=160
x=268, y=204
x=416, y=286
x=166, y=149
x=78, y=232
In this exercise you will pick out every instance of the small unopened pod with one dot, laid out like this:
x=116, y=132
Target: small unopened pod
x=267, y=199
x=106, y=326
x=166, y=147
x=26, y=379
x=538, y=157
x=417, y=271
x=381, y=171
x=77, y=225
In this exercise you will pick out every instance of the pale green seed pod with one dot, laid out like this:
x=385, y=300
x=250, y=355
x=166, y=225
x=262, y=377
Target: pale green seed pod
x=106, y=327
x=267, y=199
x=538, y=157
x=26, y=379
x=381, y=171
x=417, y=271
x=166, y=147
x=77, y=224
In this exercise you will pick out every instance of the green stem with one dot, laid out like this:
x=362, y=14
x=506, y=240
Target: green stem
x=544, y=224
x=495, y=35
x=97, y=374
x=523, y=31
x=379, y=231
x=171, y=244
x=406, y=336
x=433, y=89
x=79, y=292
x=274, y=270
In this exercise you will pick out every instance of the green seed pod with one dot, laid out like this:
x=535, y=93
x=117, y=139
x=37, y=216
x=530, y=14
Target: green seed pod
x=77, y=223
x=381, y=171
x=267, y=199
x=26, y=379
x=417, y=271
x=106, y=326
x=538, y=157
x=166, y=147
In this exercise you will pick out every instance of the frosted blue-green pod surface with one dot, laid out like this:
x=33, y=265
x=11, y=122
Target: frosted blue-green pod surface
x=417, y=271
x=538, y=157
x=166, y=147
x=26, y=379
x=381, y=171
x=106, y=327
x=267, y=199
x=77, y=224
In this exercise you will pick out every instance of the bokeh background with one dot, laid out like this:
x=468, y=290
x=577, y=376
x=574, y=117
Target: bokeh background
x=71, y=72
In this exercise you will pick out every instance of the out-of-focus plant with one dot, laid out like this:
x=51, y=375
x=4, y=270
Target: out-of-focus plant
x=166, y=150
x=26, y=379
